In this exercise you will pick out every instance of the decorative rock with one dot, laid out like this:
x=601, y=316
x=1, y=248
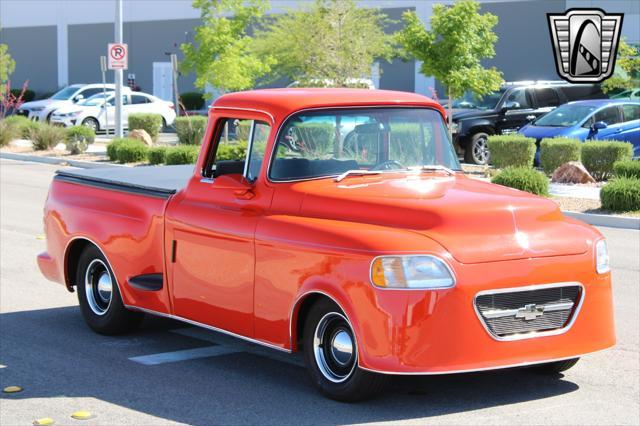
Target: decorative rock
x=141, y=135
x=572, y=172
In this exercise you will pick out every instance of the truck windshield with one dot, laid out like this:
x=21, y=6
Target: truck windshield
x=471, y=101
x=327, y=143
x=565, y=116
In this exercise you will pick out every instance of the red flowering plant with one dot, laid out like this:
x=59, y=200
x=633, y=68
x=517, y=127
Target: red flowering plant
x=10, y=102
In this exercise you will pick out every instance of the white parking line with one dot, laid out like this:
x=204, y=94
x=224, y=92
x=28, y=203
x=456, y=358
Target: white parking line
x=183, y=355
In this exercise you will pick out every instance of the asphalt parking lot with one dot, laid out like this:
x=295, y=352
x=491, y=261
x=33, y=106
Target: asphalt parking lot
x=168, y=373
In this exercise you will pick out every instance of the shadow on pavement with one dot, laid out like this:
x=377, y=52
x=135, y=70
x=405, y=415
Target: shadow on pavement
x=51, y=352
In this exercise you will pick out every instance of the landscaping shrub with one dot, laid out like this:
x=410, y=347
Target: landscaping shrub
x=151, y=123
x=236, y=151
x=22, y=125
x=621, y=194
x=599, y=157
x=628, y=168
x=7, y=133
x=524, y=179
x=192, y=101
x=512, y=151
x=78, y=138
x=187, y=154
x=190, y=130
x=157, y=154
x=126, y=150
x=242, y=130
x=45, y=136
x=554, y=152
x=28, y=95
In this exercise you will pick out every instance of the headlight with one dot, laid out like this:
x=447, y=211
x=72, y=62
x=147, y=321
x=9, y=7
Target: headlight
x=37, y=109
x=411, y=272
x=602, y=257
x=454, y=127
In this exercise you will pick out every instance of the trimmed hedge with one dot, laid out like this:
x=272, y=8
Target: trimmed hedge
x=628, y=168
x=78, y=138
x=157, y=155
x=524, y=179
x=599, y=157
x=186, y=154
x=151, y=123
x=22, y=125
x=126, y=150
x=554, y=152
x=621, y=194
x=236, y=151
x=512, y=150
x=44, y=136
x=191, y=130
x=192, y=101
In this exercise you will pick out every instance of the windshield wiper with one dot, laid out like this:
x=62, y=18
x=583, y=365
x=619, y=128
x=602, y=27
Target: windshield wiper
x=437, y=168
x=357, y=173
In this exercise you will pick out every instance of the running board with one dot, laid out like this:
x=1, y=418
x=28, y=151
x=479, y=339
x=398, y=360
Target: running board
x=147, y=282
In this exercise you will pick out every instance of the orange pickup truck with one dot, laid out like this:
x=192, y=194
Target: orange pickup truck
x=337, y=222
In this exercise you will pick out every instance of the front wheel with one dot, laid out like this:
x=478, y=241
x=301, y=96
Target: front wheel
x=100, y=301
x=91, y=123
x=477, y=150
x=331, y=355
x=555, y=367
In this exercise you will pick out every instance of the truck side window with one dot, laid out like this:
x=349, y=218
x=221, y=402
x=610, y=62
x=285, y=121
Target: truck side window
x=547, y=97
x=258, y=147
x=519, y=96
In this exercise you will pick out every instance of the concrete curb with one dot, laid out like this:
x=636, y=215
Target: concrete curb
x=55, y=160
x=606, y=220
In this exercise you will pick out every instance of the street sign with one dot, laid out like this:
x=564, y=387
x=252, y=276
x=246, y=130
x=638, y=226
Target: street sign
x=118, y=56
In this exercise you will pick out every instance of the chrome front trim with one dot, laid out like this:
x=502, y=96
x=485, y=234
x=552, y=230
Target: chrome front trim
x=209, y=327
x=534, y=334
x=500, y=313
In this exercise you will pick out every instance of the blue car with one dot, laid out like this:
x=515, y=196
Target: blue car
x=609, y=119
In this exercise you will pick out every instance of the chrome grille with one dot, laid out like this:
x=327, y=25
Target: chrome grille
x=512, y=313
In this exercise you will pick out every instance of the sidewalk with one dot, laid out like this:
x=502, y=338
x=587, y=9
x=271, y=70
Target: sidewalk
x=589, y=192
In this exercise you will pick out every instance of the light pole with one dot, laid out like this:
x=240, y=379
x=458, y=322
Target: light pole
x=118, y=72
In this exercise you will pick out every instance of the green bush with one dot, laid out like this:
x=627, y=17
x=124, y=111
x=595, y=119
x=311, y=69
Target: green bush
x=151, y=123
x=157, y=155
x=7, y=133
x=190, y=130
x=599, y=157
x=627, y=168
x=237, y=151
x=192, y=101
x=512, y=150
x=22, y=125
x=126, y=150
x=28, y=95
x=186, y=154
x=242, y=130
x=45, y=136
x=554, y=152
x=318, y=138
x=621, y=194
x=524, y=179
x=78, y=138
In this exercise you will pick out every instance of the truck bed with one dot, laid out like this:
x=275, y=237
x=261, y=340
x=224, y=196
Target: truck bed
x=154, y=181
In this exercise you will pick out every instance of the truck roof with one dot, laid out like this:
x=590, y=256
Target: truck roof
x=279, y=103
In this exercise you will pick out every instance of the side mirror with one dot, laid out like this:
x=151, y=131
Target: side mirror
x=510, y=105
x=598, y=125
x=78, y=98
x=236, y=183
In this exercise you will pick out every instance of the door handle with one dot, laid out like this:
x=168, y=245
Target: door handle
x=530, y=117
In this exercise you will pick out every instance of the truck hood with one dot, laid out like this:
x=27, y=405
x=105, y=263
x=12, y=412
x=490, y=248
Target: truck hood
x=463, y=113
x=475, y=221
x=541, y=132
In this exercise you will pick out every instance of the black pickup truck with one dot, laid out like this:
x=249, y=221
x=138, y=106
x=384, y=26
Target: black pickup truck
x=508, y=109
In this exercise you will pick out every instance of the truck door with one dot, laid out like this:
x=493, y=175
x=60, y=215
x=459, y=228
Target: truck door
x=210, y=228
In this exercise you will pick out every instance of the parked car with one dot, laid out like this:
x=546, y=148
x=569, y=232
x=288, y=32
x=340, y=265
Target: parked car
x=41, y=110
x=356, y=250
x=95, y=111
x=362, y=83
x=505, y=111
x=610, y=119
x=633, y=94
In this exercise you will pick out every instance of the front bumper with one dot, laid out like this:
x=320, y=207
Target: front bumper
x=63, y=121
x=438, y=332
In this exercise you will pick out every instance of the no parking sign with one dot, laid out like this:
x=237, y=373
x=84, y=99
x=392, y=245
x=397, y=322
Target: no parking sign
x=118, y=56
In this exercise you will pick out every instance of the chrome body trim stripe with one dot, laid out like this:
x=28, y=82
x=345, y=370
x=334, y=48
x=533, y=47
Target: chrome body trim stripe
x=534, y=334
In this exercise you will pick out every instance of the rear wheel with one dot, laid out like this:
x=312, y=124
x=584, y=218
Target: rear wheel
x=555, y=367
x=100, y=301
x=477, y=150
x=331, y=355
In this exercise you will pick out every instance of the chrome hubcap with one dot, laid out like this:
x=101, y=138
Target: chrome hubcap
x=98, y=287
x=334, y=348
x=481, y=151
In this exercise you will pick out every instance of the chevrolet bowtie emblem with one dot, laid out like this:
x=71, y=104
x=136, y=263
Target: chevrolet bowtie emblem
x=530, y=312
x=585, y=43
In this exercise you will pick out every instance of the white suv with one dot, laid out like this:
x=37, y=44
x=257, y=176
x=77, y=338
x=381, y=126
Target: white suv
x=41, y=110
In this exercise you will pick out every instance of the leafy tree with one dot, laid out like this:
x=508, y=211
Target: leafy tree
x=220, y=55
x=628, y=61
x=331, y=43
x=7, y=64
x=451, y=51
